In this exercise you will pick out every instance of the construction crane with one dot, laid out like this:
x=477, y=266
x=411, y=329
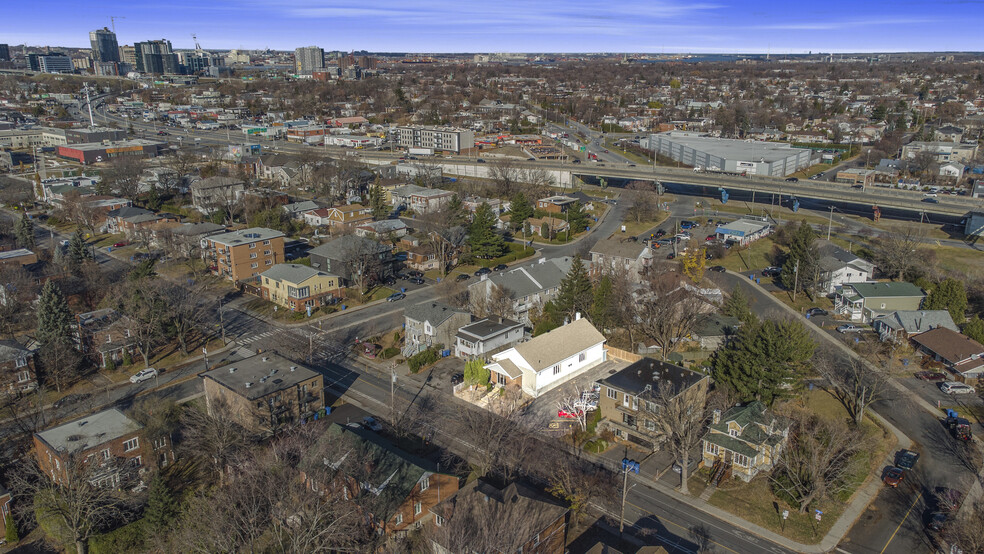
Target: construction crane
x=198, y=47
x=112, y=20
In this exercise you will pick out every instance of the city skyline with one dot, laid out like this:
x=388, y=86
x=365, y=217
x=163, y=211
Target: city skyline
x=710, y=26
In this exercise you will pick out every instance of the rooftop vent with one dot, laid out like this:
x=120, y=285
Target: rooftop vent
x=248, y=384
x=232, y=370
x=266, y=359
x=73, y=438
x=293, y=367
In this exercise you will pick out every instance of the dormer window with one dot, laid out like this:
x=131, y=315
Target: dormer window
x=733, y=432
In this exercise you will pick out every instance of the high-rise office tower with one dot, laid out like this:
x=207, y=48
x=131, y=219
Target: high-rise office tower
x=309, y=59
x=104, y=45
x=155, y=56
x=4, y=53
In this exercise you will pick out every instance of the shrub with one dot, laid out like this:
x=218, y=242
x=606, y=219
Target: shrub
x=129, y=538
x=421, y=359
x=111, y=365
x=12, y=537
x=127, y=358
x=390, y=352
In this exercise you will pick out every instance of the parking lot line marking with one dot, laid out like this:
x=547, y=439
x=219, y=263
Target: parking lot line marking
x=905, y=517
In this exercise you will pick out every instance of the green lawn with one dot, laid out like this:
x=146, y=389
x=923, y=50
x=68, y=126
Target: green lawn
x=754, y=257
x=268, y=309
x=635, y=228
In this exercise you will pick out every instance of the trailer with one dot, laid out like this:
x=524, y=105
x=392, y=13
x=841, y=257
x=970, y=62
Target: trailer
x=959, y=427
x=414, y=151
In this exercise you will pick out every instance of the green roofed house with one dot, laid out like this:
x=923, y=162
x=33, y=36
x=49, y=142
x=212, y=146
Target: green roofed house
x=744, y=440
x=866, y=301
x=397, y=489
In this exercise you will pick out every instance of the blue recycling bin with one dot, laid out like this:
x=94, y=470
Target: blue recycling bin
x=758, y=281
x=403, y=289
x=807, y=315
x=751, y=277
x=344, y=306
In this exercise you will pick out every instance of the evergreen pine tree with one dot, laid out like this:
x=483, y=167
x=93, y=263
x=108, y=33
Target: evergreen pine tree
x=575, y=293
x=949, y=295
x=601, y=309
x=456, y=212
x=974, y=329
x=161, y=506
x=763, y=360
x=54, y=316
x=78, y=252
x=577, y=218
x=24, y=232
x=377, y=201
x=484, y=240
x=520, y=209
x=802, y=249
x=737, y=306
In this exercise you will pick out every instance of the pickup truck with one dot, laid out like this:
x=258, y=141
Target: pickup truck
x=906, y=459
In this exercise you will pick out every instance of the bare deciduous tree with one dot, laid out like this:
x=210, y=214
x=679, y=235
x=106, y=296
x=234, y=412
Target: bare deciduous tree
x=677, y=419
x=820, y=456
x=854, y=381
x=897, y=248
x=123, y=176
x=215, y=436
x=668, y=313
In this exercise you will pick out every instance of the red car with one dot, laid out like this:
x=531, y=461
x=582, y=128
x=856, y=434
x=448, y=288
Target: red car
x=564, y=414
x=894, y=476
x=120, y=244
x=709, y=238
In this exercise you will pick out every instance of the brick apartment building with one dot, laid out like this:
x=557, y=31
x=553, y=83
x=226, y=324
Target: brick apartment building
x=242, y=255
x=17, y=374
x=265, y=391
x=117, y=445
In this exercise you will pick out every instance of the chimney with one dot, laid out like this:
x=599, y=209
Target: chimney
x=716, y=417
x=577, y=316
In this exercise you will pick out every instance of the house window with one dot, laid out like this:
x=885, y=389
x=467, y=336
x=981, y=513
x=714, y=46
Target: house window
x=424, y=484
x=254, y=265
x=267, y=252
x=266, y=243
x=252, y=255
x=251, y=245
x=556, y=369
x=613, y=394
x=399, y=519
x=23, y=376
x=711, y=448
x=741, y=459
x=417, y=508
x=105, y=454
x=268, y=262
x=581, y=357
x=501, y=379
x=438, y=520
x=635, y=403
x=131, y=444
x=21, y=362
x=733, y=432
x=625, y=400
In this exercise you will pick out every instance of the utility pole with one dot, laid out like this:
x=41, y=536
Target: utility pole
x=796, y=275
x=222, y=323
x=393, y=394
x=88, y=105
x=627, y=466
x=830, y=221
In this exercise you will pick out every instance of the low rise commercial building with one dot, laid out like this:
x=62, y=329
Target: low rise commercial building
x=441, y=139
x=700, y=150
x=95, y=152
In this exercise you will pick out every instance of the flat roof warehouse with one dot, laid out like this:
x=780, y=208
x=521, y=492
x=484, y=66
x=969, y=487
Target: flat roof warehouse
x=733, y=148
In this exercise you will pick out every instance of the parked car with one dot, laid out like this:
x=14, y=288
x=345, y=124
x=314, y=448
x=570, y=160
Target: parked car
x=415, y=273
x=953, y=387
x=792, y=180
x=931, y=200
x=564, y=414
x=143, y=375
x=906, y=459
x=457, y=379
x=660, y=233
x=670, y=256
x=848, y=328
x=120, y=244
x=482, y=271
x=395, y=296
x=500, y=267
x=894, y=476
x=931, y=376
x=717, y=268
x=771, y=271
x=416, y=280
x=814, y=312
x=687, y=224
x=709, y=238
x=370, y=423
x=462, y=277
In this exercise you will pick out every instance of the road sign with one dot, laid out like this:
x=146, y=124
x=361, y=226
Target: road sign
x=819, y=515
x=785, y=514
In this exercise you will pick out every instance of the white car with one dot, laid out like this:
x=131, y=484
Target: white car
x=143, y=375
x=953, y=387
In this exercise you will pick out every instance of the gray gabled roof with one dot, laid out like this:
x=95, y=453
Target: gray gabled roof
x=11, y=350
x=300, y=207
x=530, y=278
x=833, y=257
x=294, y=273
x=345, y=247
x=434, y=312
x=918, y=321
x=559, y=344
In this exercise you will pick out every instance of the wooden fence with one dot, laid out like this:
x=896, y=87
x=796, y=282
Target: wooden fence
x=623, y=355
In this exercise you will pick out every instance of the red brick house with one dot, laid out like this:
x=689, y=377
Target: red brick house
x=116, y=444
x=104, y=335
x=353, y=461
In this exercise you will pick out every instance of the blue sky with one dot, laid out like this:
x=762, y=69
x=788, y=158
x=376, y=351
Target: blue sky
x=777, y=26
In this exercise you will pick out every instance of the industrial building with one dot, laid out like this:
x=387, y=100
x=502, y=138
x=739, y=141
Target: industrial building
x=94, y=152
x=731, y=155
x=440, y=139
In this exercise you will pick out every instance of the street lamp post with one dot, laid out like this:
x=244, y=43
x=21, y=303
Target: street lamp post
x=627, y=466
